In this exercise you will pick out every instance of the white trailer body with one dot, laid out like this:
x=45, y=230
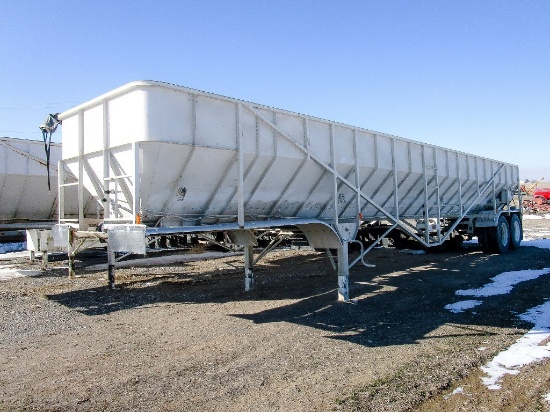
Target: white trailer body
x=180, y=160
x=25, y=200
x=24, y=194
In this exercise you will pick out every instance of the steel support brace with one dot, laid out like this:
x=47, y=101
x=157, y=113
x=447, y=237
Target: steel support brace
x=44, y=264
x=71, y=253
x=343, y=273
x=111, y=266
x=272, y=245
x=240, y=167
x=248, y=268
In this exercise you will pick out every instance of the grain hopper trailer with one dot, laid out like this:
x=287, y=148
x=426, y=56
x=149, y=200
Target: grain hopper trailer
x=28, y=207
x=26, y=202
x=163, y=160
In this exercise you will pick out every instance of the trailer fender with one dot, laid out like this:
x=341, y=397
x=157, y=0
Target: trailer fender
x=321, y=236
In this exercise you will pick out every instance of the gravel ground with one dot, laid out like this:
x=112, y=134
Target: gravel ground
x=186, y=336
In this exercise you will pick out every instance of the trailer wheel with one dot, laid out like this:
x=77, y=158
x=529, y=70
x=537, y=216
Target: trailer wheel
x=516, y=231
x=499, y=238
x=483, y=238
x=452, y=244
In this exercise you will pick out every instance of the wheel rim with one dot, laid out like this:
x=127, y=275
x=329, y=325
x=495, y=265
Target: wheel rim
x=515, y=230
x=503, y=233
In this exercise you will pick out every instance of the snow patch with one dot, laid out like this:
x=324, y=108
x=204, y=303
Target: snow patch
x=7, y=273
x=526, y=350
x=457, y=391
x=463, y=305
x=529, y=347
x=503, y=283
x=540, y=243
x=532, y=217
x=536, y=217
x=413, y=251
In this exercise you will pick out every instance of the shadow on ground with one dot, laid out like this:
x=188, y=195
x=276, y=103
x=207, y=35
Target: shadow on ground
x=399, y=302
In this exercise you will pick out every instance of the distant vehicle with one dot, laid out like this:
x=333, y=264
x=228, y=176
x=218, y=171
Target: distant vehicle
x=541, y=195
x=528, y=189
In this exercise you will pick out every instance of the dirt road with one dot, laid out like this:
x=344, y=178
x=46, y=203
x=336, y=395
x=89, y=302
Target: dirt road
x=186, y=337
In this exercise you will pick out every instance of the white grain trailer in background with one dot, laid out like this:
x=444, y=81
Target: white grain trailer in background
x=26, y=202
x=24, y=196
x=164, y=160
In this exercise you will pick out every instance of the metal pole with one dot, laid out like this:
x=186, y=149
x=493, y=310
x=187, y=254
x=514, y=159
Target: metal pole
x=248, y=268
x=357, y=176
x=343, y=273
x=61, y=191
x=106, y=202
x=395, y=183
x=240, y=167
x=111, y=265
x=426, y=198
x=44, y=259
x=71, y=254
x=137, y=181
x=80, y=187
x=335, y=176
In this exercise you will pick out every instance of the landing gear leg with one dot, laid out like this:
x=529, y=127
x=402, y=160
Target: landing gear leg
x=343, y=273
x=248, y=268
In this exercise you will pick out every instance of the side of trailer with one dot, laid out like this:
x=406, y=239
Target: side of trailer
x=177, y=160
x=24, y=195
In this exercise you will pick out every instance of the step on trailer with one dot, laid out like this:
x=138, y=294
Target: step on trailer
x=165, y=160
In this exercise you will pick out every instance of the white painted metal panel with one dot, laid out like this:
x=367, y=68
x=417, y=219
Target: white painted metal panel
x=70, y=136
x=93, y=126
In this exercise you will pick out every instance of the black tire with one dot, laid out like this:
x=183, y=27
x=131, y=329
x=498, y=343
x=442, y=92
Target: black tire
x=456, y=241
x=452, y=244
x=443, y=248
x=499, y=236
x=483, y=239
x=516, y=231
x=163, y=242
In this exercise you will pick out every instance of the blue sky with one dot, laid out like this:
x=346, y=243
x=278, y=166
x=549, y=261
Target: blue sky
x=468, y=75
